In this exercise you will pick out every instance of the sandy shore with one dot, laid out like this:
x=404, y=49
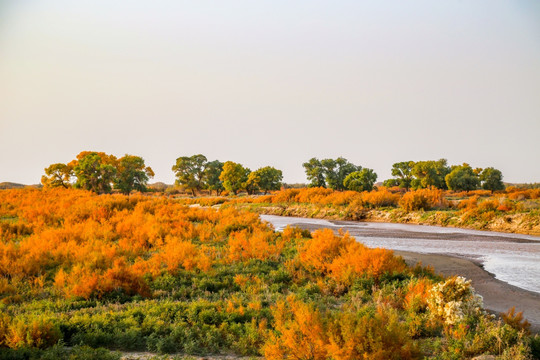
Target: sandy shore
x=498, y=295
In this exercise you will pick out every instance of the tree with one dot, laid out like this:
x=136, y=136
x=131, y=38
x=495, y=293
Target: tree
x=266, y=178
x=462, y=178
x=315, y=173
x=362, y=180
x=95, y=171
x=132, y=174
x=57, y=175
x=211, y=176
x=253, y=182
x=234, y=176
x=403, y=173
x=491, y=179
x=430, y=173
x=337, y=170
x=391, y=183
x=190, y=171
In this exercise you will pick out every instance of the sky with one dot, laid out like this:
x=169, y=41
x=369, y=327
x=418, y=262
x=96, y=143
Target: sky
x=271, y=83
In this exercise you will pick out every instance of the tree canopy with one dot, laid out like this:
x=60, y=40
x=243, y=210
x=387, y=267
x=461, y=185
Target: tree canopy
x=211, y=176
x=234, y=176
x=491, y=179
x=132, y=174
x=430, y=173
x=329, y=172
x=266, y=179
x=95, y=171
x=189, y=171
x=462, y=178
x=403, y=171
x=362, y=180
x=57, y=175
x=337, y=170
x=315, y=173
x=98, y=171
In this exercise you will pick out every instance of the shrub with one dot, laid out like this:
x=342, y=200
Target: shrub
x=453, y=300
x=414, y=200
x=38, y=333
x=380, y=198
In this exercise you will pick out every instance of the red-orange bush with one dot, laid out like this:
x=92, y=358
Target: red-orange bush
x=423, y=199
x=344, y=259
x=380, y=198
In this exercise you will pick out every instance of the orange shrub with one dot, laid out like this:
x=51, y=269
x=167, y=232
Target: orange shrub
x=258, y=245
x=89, y=245
x=357, y=260
x=488, y=205
x=38, y=333
x=380, y=198
x=423, y=199
x=319, y=252
x=414, y=200
x=344, y=259
x=302, y=332
x=416, y=297
x=378, y=337
x=285, y=196
x=522, y=194
x=469, y=204
x=516, y=320
x=299, y=332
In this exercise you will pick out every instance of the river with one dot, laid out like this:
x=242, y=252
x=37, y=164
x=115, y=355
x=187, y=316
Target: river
x=512, y=258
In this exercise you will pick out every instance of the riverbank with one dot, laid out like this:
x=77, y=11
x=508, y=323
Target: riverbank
x=498, y=295
x=517, y=223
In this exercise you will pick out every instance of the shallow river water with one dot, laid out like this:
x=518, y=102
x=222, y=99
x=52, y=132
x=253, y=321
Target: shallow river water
x=512, y=258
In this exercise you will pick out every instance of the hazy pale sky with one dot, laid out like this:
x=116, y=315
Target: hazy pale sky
x=271, y=83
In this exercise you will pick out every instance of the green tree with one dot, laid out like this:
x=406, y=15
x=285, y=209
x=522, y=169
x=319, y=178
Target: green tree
x=403, y=172
x=430, y=173
x=189, y=171
x=132, y=174
x=234, y=176
x=462, y=178
x=491, y=179
x=315, y=173
x=95, y=171
x=362, y=180
x=266, y=178
x=57, y=175
x=391, y=182
x=252, y=182
x=337, y=170
x=211, y=176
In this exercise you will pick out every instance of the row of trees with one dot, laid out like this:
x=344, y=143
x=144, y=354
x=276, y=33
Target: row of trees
x=339, y=174
x=424, y=174
x=100, y=172
x=196, y=173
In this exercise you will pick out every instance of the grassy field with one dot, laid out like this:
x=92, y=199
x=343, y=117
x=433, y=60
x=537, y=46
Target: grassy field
x=82, y=276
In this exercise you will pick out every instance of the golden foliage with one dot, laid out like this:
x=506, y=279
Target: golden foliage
x=93, y=245
x=516, y=320
x=423, y=199
x=302, y=332
x=344, y=259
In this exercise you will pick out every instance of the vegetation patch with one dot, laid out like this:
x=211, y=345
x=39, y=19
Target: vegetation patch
x=98, y=274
